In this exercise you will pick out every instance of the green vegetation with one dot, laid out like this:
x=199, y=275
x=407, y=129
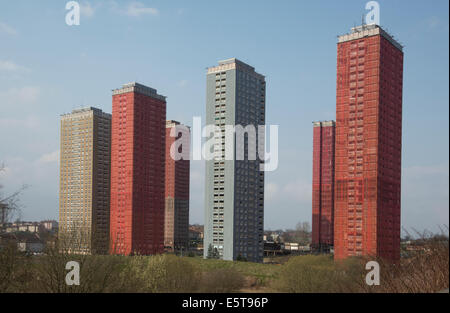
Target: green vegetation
x=257, y=275
x=319, y=274
x=425, y=270
x=213, y=253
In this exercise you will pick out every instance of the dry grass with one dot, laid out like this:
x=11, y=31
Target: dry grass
x=221, y=280
x=318, y=274
x=161, y=273
x=13, y=273
x=425, y=270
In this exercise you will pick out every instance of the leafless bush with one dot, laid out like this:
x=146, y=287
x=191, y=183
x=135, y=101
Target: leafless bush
x=160, y=273
x=426, y=270
x=315, y=274
x=221, y=281
x=98, y=273
x=9, y=204
x=13, y=269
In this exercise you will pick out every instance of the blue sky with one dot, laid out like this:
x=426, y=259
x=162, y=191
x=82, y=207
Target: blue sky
x=48, y=68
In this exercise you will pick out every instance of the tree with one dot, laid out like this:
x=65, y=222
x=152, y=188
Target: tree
x=213, y=253
x=9, y=204
x=301, y=234
x=210, y=252
x=303, y=227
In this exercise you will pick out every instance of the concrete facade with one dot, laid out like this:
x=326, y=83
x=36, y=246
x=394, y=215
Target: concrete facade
x=234, y=194
x=84, y=197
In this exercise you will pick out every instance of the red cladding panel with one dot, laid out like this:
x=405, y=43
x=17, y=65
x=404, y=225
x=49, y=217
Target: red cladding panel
x=137, y=174
x=368, y=148
x=323, y=186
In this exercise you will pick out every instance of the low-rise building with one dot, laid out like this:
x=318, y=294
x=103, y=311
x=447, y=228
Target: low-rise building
x=30, y=245
x=32, y=227
x=50, y=225
x=24, y=241
x=196, y=232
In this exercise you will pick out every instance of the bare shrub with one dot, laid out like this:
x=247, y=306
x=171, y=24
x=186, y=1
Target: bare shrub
x=13, y=274
x=98, y=273
x=305, y=274
x=9, y=204
x=319, y=274
x=426, y=270
x=221, y=281
x=160, y=273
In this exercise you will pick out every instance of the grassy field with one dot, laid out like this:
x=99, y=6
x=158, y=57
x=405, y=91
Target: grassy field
x=257, y=276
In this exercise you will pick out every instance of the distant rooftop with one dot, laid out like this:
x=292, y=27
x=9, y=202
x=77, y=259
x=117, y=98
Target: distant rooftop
x=324, y=123
x=233, y=63
x=368, y=31
x=237, y=61
x=139, y=88
x=170, y=123
x=85, y=110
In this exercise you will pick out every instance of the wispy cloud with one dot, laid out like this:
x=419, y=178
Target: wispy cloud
x=297, y=191
x=49, y=157
x=6, y=29
x=421, y=171
x=9, y=66
x=29, y=122
x=433, y=22
x=87, y=10
x=425, y=195
x=136, y=9
x=183, y=83
x=271, y=191
x=27, y=94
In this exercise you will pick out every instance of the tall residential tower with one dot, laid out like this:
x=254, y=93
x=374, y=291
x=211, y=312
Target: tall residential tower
x=176, y=230
x=85, y=180
x=368, y=144
x=137, y=170
x=234, y=196
x=323, y=186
